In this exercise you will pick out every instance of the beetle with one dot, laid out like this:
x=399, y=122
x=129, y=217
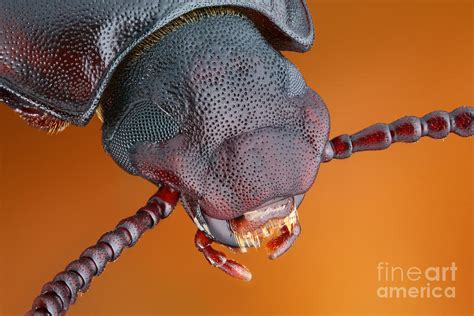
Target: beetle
x=147, y=157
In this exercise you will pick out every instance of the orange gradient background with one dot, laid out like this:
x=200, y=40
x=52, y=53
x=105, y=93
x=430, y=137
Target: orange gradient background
x=411, y=205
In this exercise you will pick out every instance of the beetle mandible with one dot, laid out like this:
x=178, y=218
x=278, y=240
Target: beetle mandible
x=197, y=99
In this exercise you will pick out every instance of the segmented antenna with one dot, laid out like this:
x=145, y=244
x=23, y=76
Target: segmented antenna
x=408, y=129
x=56, y=296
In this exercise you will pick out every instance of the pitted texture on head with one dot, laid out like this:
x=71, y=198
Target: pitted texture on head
x=229, y=121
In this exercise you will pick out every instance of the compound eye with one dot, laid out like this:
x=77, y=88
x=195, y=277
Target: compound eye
x=296, y=85
x=41, y=120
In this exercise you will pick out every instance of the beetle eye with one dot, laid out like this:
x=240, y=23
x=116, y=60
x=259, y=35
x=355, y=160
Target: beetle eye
x=42, y=120
x=296, y=85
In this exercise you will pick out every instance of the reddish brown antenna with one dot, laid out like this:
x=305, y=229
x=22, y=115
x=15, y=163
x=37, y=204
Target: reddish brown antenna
x=57, y=295
x=408, y=129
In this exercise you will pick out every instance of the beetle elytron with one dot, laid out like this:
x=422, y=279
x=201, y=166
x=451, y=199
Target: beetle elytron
x=195, y=97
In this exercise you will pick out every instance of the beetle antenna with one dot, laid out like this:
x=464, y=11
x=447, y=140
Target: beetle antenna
x=57, y=295
x=408, y=129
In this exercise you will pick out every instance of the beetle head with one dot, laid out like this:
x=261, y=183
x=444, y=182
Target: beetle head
x=217, y=113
